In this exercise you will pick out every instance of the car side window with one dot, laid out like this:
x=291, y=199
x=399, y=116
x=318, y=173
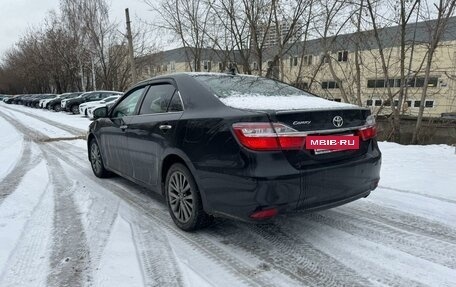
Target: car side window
x=128, y=104
x=176, y=103
x=157, y=99
x=94, y=97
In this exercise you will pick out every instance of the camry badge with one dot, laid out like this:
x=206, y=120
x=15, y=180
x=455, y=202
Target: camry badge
x=295, y=123
x=338, y=121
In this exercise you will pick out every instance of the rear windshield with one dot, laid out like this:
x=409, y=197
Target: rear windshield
x=225, y=86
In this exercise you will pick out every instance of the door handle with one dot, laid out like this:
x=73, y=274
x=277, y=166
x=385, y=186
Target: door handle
x=165, y=127
x=124, y=127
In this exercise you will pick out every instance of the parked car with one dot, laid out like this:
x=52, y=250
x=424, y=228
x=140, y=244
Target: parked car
x=97, y=109
x=27, y=100
x=233, y=145
x=55, y=104
x=85, y=106
x=35, y=103
x=72, y=105
x=11, y=99
x=45, y=101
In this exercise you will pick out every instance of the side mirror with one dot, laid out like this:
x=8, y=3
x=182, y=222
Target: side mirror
x=101, y=112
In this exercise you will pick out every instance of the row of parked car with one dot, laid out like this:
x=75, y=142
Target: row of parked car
x=76, y=103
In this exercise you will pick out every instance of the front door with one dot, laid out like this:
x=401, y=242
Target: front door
x=113, y=134
x=153, y=130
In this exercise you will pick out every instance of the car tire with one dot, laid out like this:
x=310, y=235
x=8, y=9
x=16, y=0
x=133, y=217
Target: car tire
x=96, y=160
x=57, y=107
x=74, y=109
x=184, y=199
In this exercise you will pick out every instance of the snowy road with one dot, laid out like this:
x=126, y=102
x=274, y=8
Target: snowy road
x=62, y=226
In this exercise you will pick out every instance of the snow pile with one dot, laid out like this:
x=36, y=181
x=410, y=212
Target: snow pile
x=292, y=102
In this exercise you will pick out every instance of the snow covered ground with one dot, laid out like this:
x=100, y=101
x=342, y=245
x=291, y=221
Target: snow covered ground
x=62, y=226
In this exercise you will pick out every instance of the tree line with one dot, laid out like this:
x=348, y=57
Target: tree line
x=78, y=48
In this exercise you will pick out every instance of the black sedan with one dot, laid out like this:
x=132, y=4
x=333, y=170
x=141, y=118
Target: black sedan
x=55, y=104
x=235, y=146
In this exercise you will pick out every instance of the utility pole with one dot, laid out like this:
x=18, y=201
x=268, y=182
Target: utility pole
x=130, y=47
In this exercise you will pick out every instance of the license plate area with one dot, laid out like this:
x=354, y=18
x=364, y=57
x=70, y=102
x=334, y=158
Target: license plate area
x=350, y=138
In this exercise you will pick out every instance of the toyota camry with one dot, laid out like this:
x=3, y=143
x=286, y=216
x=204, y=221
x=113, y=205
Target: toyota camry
x=235, y=146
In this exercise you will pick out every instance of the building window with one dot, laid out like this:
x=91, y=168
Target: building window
x=307, y=60
x=337, y=100
x=387, y=103
x=381, y=83
x=417, y=104
x=433, y=82
x=429, y=104
x=269, y=64
x=409, y=103
x=220, y=65
x=396, y=103
x=419, y=82
x=342, y=56
x=329, y=85
x=378, y=103
x=369, y=103
x=293, y=61
x=255, y=66
x=207, y=65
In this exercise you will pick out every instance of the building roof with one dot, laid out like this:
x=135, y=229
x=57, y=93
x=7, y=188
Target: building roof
x=389, y=37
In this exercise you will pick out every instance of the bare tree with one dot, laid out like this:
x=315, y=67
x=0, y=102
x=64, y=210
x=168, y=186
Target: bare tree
x=444, y=9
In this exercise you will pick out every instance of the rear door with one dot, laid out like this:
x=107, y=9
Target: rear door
x=153, y=129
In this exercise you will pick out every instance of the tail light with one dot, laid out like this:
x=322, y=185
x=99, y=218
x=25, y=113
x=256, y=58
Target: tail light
x=369, y=131
x=266, y=136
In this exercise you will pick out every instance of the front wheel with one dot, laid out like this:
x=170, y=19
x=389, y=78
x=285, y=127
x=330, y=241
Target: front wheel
x=75, y=109
x=184, y=200
x=57, y=107
x=96, y=160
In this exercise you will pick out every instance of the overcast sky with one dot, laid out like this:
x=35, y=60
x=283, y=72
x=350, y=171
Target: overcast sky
x=16, y=16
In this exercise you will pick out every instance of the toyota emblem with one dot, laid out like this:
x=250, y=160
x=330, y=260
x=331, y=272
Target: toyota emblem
x=338, y=121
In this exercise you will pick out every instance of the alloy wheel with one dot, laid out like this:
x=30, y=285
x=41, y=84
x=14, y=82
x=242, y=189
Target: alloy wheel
x=180, y=196
x=95, y=158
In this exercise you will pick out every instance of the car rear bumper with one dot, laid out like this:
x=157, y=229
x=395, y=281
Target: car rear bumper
x=305, y=190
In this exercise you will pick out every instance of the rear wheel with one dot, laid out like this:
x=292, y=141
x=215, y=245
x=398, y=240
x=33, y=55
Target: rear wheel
x=57, y=107
x=96, y=160
x=184, y=200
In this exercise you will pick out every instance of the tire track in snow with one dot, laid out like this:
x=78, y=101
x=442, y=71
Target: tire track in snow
x=246, y=273
x=420, y=194
x=28, y=264
x=155, y=254
x=23, y=165
x=98, y=220
x=348, y=251
x=69, y=266
x=423, y=247
x=67, y=128
x=404, y=221
x=295, y=259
